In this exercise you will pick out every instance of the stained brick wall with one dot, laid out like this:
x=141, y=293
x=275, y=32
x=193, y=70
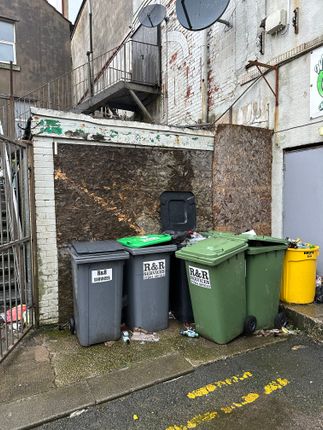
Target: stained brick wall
x=181, y=71
x=106, y=193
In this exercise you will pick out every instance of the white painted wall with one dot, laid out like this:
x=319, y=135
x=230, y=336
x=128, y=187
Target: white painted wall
x=46, y=230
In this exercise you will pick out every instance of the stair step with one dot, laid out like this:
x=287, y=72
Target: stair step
x=6, y=306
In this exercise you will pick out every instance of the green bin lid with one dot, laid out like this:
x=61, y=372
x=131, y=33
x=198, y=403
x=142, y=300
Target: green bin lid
x=262, y=244
x=215, y=233
x=146, y=240
x=213, y=251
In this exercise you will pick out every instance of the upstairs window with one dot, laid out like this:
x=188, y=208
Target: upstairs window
x=7, y=42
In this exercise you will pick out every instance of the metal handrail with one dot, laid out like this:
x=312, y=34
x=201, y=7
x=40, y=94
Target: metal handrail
x=127, y=62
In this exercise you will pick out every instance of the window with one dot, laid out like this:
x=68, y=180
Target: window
x=7, y=42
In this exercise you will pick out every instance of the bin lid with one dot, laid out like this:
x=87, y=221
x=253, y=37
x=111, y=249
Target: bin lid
x=177, y=211
x=146, y=240
x=161, y=249
x=213, y=251
x=215, y=233
x=96, y=247
x=262, y=244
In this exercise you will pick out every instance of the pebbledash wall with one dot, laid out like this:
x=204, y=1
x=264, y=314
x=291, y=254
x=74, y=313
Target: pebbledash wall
x=99, y=179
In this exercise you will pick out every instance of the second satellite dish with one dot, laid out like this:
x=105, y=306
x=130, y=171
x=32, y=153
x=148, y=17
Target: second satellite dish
x=152, y=15
x=197, y=15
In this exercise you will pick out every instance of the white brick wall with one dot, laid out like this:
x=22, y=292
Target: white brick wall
x=46, y=230
x=229, y=52
x=183, y=62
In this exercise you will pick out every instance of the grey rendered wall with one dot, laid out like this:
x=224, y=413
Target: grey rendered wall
x=42, y=44
x=111, y=21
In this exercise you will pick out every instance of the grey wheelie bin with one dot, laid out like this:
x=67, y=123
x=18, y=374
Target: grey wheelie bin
x=147, y=287
x=178, y=217
x=97, y=269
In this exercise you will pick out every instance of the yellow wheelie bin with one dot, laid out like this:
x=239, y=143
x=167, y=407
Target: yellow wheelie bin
x=299, y=275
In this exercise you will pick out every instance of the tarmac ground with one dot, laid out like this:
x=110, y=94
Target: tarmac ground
x=276, y=387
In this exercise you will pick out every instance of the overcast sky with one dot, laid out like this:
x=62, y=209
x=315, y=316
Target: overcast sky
x=74, y=6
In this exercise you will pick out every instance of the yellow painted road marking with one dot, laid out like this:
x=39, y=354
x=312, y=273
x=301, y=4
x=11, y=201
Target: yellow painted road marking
x=195, y=421
x=204, y=391
x=246, y=400
x=275, y=385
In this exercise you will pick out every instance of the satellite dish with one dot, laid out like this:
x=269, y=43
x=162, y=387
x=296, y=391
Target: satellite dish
x=197, y=15
x=152, y=15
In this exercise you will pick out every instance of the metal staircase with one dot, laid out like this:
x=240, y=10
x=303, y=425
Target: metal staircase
x=9, y=292
x=126, y=78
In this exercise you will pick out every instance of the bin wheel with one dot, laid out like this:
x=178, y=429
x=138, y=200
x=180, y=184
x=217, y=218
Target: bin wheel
x=281, y=308
x=280, y=320
x=250, y=324
x=72, y=325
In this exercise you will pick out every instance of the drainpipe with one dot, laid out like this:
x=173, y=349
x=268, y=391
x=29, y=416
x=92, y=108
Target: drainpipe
x=166, y=104
x=204, y=78
x=90, y=28
x=90, y=51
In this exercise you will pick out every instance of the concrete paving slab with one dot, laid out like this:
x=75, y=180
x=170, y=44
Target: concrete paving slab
x=27, y=370
x=73, y=363
x=307, y=317
x=25, y=380
x=30, y=411
x=138, y=376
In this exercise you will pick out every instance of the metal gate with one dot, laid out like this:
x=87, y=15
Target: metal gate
x=16, y=280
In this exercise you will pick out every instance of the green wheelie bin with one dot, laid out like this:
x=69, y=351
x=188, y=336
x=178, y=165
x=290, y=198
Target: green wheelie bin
x=216, y=274
x=265, y=257
x=264, y=264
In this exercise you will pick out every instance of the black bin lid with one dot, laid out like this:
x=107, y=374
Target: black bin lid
x=96, y=246
x=177, y=211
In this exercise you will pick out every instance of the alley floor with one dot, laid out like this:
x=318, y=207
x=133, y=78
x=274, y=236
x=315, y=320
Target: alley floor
x=276, y=387
x=49, y=375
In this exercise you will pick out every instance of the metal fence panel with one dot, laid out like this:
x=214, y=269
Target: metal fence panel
x=16, y=283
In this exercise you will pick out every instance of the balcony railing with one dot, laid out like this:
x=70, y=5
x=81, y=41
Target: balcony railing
x=133, y=61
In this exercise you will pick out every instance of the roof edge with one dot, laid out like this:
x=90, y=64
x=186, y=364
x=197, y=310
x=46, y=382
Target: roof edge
x=58, y=12
x=78, y=16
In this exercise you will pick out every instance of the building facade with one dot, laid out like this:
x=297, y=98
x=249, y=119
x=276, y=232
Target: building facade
x=205, y=79
x=270, y=180
x=36, y=38
x=99, y=28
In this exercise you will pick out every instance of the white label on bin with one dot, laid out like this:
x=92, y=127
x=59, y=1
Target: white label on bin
x=102, y=275
x=154, y=269
x=199, y=277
